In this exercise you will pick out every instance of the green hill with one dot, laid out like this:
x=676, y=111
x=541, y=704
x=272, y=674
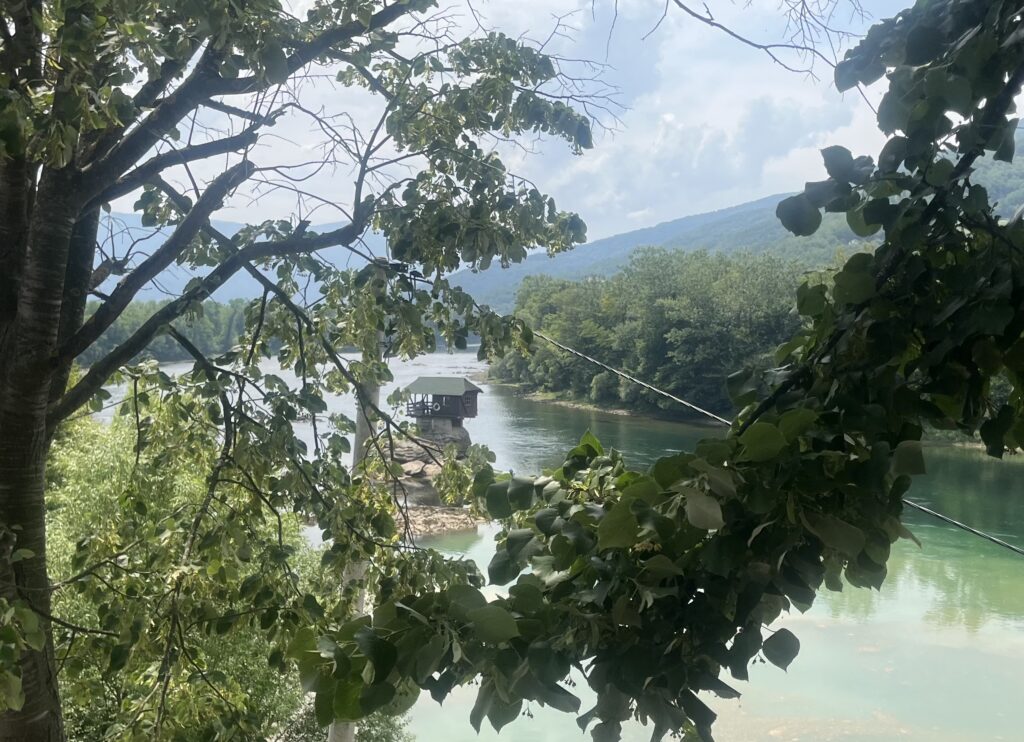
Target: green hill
x=748, y=228
x=751, y=228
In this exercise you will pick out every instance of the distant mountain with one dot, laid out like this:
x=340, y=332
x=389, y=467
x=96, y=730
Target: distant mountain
x=119, y=232
x=750, y=227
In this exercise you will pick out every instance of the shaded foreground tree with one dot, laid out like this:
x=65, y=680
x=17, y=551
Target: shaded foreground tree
x=649, y=584
x=170, y=102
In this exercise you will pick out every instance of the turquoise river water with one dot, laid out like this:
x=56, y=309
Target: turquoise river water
x=936, y=655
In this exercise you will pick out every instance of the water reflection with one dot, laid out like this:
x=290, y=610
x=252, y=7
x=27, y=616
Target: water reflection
x=934, y=656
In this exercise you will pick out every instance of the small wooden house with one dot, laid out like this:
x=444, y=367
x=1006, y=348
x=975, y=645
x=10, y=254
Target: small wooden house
x=433, y=399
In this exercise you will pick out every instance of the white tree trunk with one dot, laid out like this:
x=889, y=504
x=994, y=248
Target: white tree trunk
x=367, y=398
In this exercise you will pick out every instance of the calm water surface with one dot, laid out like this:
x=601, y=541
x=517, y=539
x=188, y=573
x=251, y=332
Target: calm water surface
x=937, y=655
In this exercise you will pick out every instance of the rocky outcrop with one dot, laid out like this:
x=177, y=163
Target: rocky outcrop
x=433, y=521
x=420, y=462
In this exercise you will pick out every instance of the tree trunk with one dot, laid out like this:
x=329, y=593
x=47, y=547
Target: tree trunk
x=27, y=375
x=367, y=396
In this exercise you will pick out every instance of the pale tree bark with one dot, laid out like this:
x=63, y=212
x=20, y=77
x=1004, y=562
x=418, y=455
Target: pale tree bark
x=367, y=400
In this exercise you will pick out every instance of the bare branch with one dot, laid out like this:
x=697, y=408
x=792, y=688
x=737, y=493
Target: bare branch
x=158, y=163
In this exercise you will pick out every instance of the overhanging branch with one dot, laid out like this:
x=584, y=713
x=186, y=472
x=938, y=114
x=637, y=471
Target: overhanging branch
x=158, y=163
x=150, y=268
x=100, y=371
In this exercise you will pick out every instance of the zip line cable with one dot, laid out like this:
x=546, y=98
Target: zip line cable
x=633, y=379
x=628, y=377
x=964, y=526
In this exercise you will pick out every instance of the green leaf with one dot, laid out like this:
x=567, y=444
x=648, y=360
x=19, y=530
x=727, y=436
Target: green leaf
x=1005, y=151
x=939, y=172
x=858, y=223
x=119, y=655
x=496, y=498
x=703, y=511
x=345, y=700
x=521, y=493
x=589, y=439
x=908, y=459
x=853, y=287
x=405, y=696
x=781, y=648
x=838, y=163
x=762, y=441
x=836, y=533
x=618, y=528
x=559, y=698
x=482, y=705
x=923, y=44
x=429, y=657
x=799, y=215
x=503, y=568
x=274, y=61
x=380, y=652
x=323, y=706
x=375, y=696
x=493, y=624
x=794, y=423
x=661, y=566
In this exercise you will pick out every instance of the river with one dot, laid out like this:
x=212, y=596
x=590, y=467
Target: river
x=936, y=655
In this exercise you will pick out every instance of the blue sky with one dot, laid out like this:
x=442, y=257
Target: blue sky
x=703, y=122
x=708, y=123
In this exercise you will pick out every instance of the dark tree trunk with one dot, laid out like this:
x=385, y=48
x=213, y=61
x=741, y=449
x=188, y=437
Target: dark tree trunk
x=27, y=372
x=77, y=279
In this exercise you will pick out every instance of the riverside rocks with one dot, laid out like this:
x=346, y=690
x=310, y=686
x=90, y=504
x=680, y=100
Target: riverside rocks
x=425, y=520
x=419, y=458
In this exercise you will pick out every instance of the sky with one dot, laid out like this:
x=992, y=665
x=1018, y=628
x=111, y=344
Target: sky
x=706, y=122
x=698, y=121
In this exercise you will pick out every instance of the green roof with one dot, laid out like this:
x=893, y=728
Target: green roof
x=449, y=386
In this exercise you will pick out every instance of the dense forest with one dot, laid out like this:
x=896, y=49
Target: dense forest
x=214, y=327
x=680, y=320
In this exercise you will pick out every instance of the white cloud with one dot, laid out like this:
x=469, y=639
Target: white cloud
x=708, y=123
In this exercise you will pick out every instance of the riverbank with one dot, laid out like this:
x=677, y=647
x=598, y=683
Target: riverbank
x=431, y=520
x=559, y=399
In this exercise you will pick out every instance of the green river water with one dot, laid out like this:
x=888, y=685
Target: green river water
x=936, y=655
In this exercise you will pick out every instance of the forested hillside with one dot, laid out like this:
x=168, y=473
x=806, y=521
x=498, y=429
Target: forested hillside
x=680, y=320
x=214, y=328
x=749, y=228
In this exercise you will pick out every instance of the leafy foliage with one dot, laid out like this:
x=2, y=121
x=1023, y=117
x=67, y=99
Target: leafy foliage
x=654, y=583
x=164, y=103
x=683, y=321
x=651, y=583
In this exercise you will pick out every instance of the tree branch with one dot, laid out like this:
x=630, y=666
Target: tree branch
x=304, y=54
x=150, y=268
x=137, y=142
x=158, y=163
x=100, y=371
